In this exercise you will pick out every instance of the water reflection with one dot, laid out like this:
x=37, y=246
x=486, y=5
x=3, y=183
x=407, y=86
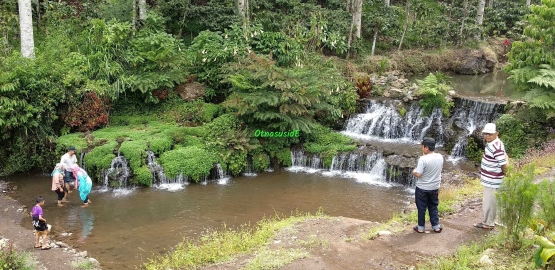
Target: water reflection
x=123, y=231
x=87, y=221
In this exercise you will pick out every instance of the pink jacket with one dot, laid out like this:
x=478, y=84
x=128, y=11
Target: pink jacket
x=57, y=181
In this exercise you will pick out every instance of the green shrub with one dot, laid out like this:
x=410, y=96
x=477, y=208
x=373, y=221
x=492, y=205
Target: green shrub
x=260, y=162
x=100, y=158
x=134, y=152
x=328, y=143
x=513, y=134
x=473, y=151
x=191, y=161
x=546, y=201
x=516, y=198
x=143, y=176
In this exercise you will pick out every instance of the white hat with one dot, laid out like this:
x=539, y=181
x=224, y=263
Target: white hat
x=489, y=128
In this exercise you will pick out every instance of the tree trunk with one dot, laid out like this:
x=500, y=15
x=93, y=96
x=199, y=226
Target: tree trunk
x=26, y=29
x=356, y=23
x=142, y=10
x=375, y=38
x=241, y=8
x=407, y=10
x=480, y=17
x=490, y=3
x=528, y=3
x=38, y=15
x=465, y=4
x=134, y=18
x=387, y=3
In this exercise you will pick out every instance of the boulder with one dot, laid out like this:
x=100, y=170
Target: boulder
x=476, y=62
x=191, y=91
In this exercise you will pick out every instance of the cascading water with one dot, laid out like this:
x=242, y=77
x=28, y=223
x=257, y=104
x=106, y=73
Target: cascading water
x=470, y=115
x=118, y=174
x=82, y=159
x=160, y=180
x=223, y=179
x=382, y=121
x=301, y=162
x=249, y=169
x=365, y=168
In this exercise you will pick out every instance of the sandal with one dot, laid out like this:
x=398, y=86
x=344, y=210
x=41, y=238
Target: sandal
x=38, y=247
x=45, y=248
x=438, y=230
x=482, y=226
x=415, y=228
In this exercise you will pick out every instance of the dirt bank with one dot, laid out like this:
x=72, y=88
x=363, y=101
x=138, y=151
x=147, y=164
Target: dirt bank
x=60, y=257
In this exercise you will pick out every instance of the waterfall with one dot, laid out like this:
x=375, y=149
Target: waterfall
x=301, y=162
x=381, y=121
x=117, y=175
x=223, y=179
x=249, y=168
x=82, y=159
x=365, y=168
x=470, y=115
x=159, y=178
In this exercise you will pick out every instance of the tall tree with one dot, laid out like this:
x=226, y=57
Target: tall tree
x=355, y=8
x=243, y=8
x=465, y=5
x=528, y=3
x=26, y=29
x=480, y=17
x=407, y=10
x=142, y=10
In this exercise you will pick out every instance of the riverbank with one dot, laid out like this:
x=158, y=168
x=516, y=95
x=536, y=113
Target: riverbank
x=347, y=243
x=60, y=257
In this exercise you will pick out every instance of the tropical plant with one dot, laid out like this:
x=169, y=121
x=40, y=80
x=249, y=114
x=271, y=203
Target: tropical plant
x=532, y=60
x=545, y=237
x=433, y=95
x=272, y=97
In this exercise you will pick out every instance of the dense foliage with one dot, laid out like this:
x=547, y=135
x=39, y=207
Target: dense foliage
x=532, y=60
x=97, y=65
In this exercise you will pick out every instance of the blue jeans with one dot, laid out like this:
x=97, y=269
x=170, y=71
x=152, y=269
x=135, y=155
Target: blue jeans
x=68, y=177
x=427, y=199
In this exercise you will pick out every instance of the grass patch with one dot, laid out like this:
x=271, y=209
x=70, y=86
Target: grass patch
x=449, y=198
x=222, y=245
x=83, y=264
x=275, y=259
x=469, y=256
x=13, y=259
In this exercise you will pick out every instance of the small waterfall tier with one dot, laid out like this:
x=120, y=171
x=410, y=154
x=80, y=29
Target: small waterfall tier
x=159, y=178
x=468, y=118
x=305, y=162
x=364, y=165
x=117, y=176
x=381, y=120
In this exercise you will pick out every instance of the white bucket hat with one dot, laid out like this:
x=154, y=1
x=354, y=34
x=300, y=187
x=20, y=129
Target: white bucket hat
x=489, y=128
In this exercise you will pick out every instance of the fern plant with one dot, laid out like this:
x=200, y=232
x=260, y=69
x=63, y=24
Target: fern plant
x=433, y=95
x=542, y=87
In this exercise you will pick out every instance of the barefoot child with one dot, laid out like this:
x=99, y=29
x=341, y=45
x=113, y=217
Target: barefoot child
x=41, y=229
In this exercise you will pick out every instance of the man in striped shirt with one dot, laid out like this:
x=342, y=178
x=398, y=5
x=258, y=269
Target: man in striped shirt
x=492, y=171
